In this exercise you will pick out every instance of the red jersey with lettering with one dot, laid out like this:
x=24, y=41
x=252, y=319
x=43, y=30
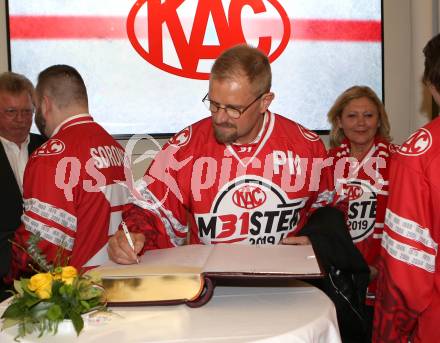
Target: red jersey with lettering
x=254, y=193
x=362, y=188
x=73, y=195
x=408, y=293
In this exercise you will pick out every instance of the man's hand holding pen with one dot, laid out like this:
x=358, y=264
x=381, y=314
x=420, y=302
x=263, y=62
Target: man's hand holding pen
x=121, y=251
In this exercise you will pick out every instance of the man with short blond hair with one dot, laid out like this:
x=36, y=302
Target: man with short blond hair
x=239, y=173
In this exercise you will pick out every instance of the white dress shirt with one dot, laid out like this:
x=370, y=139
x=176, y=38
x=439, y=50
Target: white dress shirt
x=18, y=157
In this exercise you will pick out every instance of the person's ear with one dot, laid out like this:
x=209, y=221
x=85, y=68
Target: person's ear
x=267, y=99
x=46, y=106
x=338, y=122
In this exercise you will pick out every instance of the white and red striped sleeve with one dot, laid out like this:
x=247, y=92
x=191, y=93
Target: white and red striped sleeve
x=405, y=298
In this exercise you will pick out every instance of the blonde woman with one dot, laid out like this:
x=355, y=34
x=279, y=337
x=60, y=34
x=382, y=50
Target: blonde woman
x=361, y=149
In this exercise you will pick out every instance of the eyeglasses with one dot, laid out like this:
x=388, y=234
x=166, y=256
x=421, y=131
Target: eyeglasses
x=12, y=113
x=231, y=111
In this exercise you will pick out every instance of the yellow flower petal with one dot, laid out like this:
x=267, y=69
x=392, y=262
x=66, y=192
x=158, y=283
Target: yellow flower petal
x=41, y=284
x=68, y=281
x=68, y=272
x=44, y=293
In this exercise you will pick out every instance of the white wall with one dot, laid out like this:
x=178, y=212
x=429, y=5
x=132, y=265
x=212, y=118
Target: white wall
x=408, y=25
x=3, y=46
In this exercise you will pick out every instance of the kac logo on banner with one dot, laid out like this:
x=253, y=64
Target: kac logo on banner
x=228, y=26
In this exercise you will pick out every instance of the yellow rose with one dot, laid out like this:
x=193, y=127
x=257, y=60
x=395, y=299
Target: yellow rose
x=57, y=273
x=68, y=274
x=41, y=284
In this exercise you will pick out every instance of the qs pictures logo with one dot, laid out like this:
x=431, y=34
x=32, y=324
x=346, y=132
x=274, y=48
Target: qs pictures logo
x=181, y=36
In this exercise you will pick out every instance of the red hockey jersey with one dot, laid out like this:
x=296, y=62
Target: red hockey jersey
x=254, y=193
x=408, y=293
x=73, y=194
x=362, y=187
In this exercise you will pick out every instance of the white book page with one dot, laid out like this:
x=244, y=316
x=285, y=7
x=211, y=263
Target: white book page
x=272, y=259
x=194, y=255
x=178, y=260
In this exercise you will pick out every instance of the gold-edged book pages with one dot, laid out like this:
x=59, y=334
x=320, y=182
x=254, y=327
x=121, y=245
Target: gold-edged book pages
x=185, y=273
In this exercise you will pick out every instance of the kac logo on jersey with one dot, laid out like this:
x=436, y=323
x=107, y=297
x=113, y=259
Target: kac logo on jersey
x=182, y=138
x=417, y=144
x=250, y=210
x=362, y=199
x=249, y=197
x=354, y=192
x=169, y=36
x=51, y=147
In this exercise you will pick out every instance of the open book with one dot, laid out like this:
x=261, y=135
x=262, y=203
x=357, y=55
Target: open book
x=188, y=273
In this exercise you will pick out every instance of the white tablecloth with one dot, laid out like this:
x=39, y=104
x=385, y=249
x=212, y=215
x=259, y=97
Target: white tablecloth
x=299, y=313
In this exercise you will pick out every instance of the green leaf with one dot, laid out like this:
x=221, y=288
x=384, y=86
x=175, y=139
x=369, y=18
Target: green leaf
x=21, y=330
x=18, y=288
x=53, y=327
x=35, y=253
x=13, y=311
x=66, y=290
x=85, y=305
x=9, y=322
x=39, y=311
x=41, y=327
x=42, y=316
x=24, y=286
x=54, y=313
x=77, y=321
x=31, y=301
x=56, y=285
x=90, y=292
x=29, y=327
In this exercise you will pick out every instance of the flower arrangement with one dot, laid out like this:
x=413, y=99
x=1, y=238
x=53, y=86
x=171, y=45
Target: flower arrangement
x=50, y=296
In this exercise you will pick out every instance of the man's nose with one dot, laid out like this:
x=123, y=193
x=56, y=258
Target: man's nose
x=21, y=116
x=221, y=116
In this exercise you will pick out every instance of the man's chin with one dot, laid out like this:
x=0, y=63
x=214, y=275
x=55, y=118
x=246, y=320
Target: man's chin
x=19, y=134
x=19, y=138
x=225, y=137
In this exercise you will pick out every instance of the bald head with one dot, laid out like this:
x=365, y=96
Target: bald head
x=61, y=94
x=64, y=85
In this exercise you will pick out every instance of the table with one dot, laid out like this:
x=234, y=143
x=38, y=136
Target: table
x=294, y=313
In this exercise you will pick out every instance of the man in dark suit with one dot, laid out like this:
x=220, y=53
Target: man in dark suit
x=16, y=144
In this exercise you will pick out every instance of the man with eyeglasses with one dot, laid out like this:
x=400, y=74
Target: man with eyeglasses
x=16, y=112
x=243, y=175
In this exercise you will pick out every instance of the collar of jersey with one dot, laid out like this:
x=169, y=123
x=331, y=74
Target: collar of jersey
x=260, y=133
x=74, y=120
x=261, y=142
